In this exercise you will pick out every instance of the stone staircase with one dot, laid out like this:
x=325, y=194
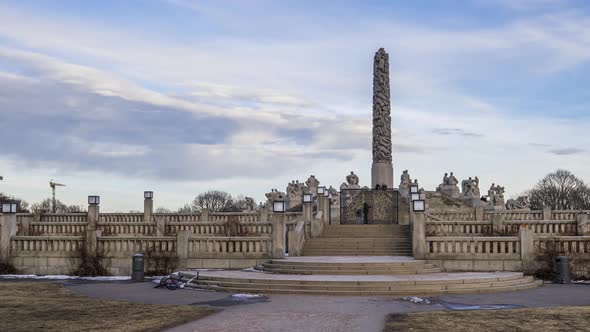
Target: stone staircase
x=336, y=267
x=361, y=240
x=429, y=284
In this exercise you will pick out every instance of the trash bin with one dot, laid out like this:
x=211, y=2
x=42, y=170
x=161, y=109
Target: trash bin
x=137, y=267
x=563, y=269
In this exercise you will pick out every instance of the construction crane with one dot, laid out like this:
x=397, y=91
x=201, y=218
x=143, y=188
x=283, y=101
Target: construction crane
x=54, y=202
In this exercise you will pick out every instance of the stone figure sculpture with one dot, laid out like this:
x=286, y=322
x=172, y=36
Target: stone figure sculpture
x=275, y=195
x=405, y=180
x=312, y=183
x=520, y=203
x=352, y=182
x=352, y=179
x=295, y=192
x=452, y=181
x=470, y=187
x=496, y=196
x=449, y=186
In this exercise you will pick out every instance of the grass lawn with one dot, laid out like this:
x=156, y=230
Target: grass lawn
x=49, y=306
x=534, y=319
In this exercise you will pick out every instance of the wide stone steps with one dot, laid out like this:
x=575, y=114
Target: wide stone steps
x=358, y=253
x=431, y=284
x=361, y=240
x=336, y=268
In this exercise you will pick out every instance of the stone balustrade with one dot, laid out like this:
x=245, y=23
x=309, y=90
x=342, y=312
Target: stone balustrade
x=52, y=228
x=63, y=217
x=452, y=216
x=458, y=228
x=125, y=246
x=542, y=227
x=520, y=215
x=177, y=217
x=126, y=228
x=472, y=247
x=120, y=217
x=30, y=244
x=564, y=245
x=230, y=247
x=567, y=214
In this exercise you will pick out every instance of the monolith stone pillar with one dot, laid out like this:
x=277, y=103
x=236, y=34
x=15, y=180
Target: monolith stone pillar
x=382, y=168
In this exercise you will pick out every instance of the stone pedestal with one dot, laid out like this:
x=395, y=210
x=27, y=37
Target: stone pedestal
x=278, y=235
x=8, y=230
x=450, y=190
x=307, y=211
x=583, y=225
x=93, y=216
x=418, y=235
x=547, y=215
x=148, y=209
x=382, y=173
x=473, y=201
x=182, y=239
x=527, y=248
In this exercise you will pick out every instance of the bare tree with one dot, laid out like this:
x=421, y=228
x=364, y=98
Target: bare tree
x=560, y=190
x=61, y=207
x=221, y=201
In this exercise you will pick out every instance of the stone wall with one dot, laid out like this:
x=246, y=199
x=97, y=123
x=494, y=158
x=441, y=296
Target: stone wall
x=49, y=243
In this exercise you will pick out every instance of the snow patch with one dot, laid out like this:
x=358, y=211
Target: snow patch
x=245, y=296
x=417, y=300
x=251, y=269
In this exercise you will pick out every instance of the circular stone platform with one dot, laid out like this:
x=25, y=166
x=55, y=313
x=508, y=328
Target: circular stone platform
x=324, y=277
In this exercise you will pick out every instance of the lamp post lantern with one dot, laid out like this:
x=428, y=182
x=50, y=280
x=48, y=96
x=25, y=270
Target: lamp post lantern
x=148, y=194
x=278, y=206
x=94, y=200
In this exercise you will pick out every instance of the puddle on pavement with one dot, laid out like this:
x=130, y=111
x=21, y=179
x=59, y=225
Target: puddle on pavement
x=235, y=299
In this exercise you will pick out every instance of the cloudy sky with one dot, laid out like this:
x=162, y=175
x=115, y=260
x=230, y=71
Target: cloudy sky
x=181, y=96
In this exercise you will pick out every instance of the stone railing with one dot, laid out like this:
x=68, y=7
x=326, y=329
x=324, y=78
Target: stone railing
x=177, y=217
x=124, y=246
x=567, y=214
x=64, y=217
x=220, y=228
x=458, y=228
x=50, y=244
x=520, y=215
x=473, y=248
x=51, y=228
x=296, y=239
x=238, y=216
x=452, y=216
x=543, y=227
x=126, y=228
x=230, y=247
x=121, y=217
x=24, y=216
x=564, y=245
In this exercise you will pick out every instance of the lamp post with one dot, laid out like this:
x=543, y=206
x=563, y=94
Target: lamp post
x=148, y=205
x=93, y=211
x=329, y=207
x=307, y=201
x=9, y=207
x=279, y=229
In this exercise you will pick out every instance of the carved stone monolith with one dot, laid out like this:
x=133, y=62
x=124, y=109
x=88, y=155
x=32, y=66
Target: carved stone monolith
x=382, y=168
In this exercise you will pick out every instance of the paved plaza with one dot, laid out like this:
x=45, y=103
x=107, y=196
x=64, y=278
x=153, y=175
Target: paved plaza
x=277, y=312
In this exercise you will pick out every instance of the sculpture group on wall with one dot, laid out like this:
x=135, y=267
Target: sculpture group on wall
x=496, y=196
x=470, y=187
x=520, y=203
